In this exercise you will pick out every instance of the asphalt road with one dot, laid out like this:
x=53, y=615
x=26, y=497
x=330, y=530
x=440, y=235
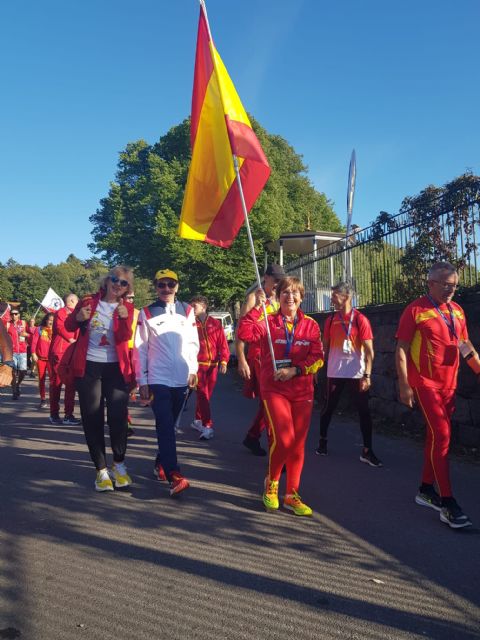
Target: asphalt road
x=212, y=564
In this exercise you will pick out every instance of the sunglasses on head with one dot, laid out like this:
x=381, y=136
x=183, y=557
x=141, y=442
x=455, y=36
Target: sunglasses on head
x=171, y=284
x=116, y=280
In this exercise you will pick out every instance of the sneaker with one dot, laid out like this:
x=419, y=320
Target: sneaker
x=197, y=425
x=254, y=445
x=428, y=497
x=294, y=503
x=207, y=433
x=270, y=495
x=129, y=419
x=130, y=432
x=321, y=450
x=55, y=420
x=159, y=473
x=453, y=515
x=178, y=483
x=43, y=404
x=370, y=458
x=15, y=395
x=103, y=481
x=121, y=478
x=71, y=420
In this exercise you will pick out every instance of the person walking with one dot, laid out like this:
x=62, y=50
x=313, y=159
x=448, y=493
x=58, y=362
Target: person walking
x=431, y=330
x=165, y=361
x=212, y=358
x=19, y=351
x=287, y=393
x=103, y=372
x=41, y=343
x=249, y=365
x=6, y=350
x=61, y=339
x=348, y=342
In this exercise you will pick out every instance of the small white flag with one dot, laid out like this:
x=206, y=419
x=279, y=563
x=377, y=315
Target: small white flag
x=52, y=301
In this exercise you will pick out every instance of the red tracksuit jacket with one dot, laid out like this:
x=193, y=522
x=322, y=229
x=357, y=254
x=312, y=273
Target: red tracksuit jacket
x=61, y=336
x=41, y=341
x=213, y=343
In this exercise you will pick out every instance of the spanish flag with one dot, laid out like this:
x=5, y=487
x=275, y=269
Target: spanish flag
x=212, y=209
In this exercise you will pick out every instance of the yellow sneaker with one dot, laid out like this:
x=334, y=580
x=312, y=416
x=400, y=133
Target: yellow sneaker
x=120, y=476
x=103, y=481
x=293, y=502
x=270, y=495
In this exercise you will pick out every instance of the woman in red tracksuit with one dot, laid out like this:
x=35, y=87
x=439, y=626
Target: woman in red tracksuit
x=287, y=393
x=212, y=357
x=41, y=342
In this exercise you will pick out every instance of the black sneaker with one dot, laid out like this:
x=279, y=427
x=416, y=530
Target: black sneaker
x=452, y=515
x=43, y=404
x=428, y=497
x=55, y=420
x=130, y=432
x=71, y=420
x=321, y=450
x=254, y=445
x=370, y=458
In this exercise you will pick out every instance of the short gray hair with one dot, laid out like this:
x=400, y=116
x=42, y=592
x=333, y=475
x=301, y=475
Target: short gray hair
x=344, y=287
x=440, y=267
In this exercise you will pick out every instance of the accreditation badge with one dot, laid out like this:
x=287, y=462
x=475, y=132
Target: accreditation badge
x=283, y=364
x=347, y=346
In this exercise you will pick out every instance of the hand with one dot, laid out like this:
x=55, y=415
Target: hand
x=122, y=311
x=71, y=340
x=364, y=384
x=144, y=393
x=222, y=368
x=244, y=369
x=192, y=380
x=407, y=397
x=84, y=313
x=34, y=358
x=284, y=374
x=6, y=375
x=260, y=297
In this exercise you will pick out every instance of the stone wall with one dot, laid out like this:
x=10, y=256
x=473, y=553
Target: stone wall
x=384, y=398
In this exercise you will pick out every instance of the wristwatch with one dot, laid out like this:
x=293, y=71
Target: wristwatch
x=8, y=363
x=299, y=371
x=366, y=375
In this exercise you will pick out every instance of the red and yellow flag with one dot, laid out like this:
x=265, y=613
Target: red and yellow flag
x=212, y=210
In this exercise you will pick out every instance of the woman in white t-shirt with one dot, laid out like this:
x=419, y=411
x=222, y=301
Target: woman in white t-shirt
x=103, y=373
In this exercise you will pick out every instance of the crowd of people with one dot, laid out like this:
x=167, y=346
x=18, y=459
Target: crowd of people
x=103, y=349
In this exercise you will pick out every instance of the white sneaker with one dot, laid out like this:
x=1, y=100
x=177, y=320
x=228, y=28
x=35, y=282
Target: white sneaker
x=207, y=433
x=197, y=425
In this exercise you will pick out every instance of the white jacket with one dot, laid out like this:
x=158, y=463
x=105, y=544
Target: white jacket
x=166, y=344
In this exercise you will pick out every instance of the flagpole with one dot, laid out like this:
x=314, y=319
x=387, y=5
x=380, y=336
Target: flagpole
x=244, y=206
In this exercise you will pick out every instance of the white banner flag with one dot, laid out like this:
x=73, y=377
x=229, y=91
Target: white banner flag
x=52, y=301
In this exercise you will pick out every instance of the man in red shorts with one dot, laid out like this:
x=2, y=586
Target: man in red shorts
x=430, y=333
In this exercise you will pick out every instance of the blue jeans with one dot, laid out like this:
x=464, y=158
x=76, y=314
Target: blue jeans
x=167, y=404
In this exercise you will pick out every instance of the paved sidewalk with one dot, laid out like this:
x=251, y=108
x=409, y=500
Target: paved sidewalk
x=212, y=564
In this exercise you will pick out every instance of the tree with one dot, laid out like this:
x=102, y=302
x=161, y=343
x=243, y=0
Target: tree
x=137, y=222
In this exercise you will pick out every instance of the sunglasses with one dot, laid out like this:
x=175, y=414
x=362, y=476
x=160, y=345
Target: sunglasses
x=116, y=280
x=171, y=284
x=14, y=313
x=130, y=297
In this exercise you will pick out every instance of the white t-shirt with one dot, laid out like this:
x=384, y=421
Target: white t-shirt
x=101, y=341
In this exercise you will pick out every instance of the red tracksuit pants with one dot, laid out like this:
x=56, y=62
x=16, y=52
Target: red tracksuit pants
x=288, y=424
x=259, y=422
x=207, y=379
x=55, y=391
x=437, y=406
x=43, y=366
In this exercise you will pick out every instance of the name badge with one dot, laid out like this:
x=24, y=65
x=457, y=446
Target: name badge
x=347, y=346
x=283, y=364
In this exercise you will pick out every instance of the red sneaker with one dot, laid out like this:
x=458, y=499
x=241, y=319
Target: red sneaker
x=159, y=473
x=178, y=483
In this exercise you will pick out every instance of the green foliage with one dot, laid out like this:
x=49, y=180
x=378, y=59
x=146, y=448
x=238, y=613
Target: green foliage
x=137, y=222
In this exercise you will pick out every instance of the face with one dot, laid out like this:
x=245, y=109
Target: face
x=199, y=308
x=442, y=287
x=339, y=300
x=130, y=297
x=166, y=289
x=269, y=283
x=15, y=316
x=71, y=302
x=117, y=285
x=290, y=300
x=50, y=321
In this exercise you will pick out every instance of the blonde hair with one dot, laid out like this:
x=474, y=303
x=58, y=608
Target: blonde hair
x=121, y=271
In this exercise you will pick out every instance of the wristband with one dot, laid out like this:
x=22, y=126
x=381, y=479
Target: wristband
x=9, y=363
x=366, y=375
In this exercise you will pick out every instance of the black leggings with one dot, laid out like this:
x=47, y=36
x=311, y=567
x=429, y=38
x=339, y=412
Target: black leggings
x=103, y=383
x=335, y=386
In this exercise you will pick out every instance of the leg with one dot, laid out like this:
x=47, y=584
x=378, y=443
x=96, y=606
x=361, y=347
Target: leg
x=334, y=390
x=55, y=387
x=202, y=408
x=278, y=410
x=166, y=405
x=260, y=420
x=92, y=409
x=301, y=415
x=42, y=372
x=69, y=399
x=115, y=391
x=361, y=402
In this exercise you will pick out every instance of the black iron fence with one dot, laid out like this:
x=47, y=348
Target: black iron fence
x=388, y=261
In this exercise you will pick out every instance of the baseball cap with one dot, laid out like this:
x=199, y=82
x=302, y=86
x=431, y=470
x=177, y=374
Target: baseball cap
x=166, y=273
x=276, y=271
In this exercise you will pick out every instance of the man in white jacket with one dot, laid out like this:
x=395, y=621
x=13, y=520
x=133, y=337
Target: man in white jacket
x=165, y=361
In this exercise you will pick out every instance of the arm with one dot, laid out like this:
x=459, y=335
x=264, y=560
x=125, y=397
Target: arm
x=243, y=366
x=140, y=352
x=312, y=362
x=59, y=325
x=6, y=372
x=33, y=348
x=366, y=381
x=193, y=346
x=405, y=390
x=223, y=350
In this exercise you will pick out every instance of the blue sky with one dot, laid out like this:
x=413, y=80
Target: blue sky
x=397, y=81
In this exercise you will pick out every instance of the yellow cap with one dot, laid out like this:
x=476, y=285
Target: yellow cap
x=166, y=273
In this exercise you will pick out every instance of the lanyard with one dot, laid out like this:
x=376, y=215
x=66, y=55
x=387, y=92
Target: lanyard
x=349, y=330
x=450, y=323
x=289, y=335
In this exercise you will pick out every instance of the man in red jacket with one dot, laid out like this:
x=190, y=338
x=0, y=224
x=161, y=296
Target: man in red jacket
x=212, y=357
x=61, y=339
x=19, y=351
